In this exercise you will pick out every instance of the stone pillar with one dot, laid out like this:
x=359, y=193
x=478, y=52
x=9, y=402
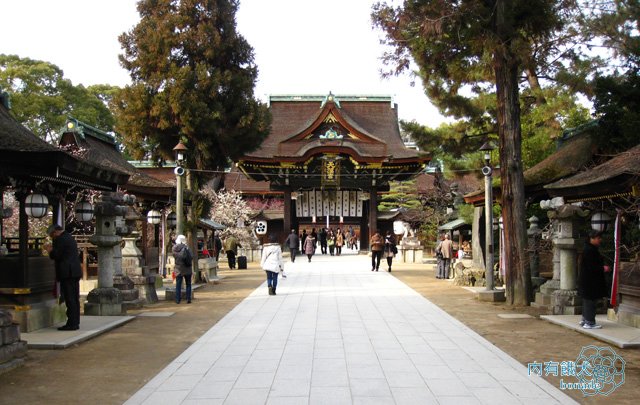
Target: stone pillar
x=534, y=234
x=106, y=300
x=565, y=300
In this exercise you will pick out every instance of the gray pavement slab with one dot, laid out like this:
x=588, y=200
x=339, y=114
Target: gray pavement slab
x=90, y=326
x=338, y=333
x=615, y=333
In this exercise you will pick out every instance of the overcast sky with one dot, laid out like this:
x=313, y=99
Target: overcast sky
x=301, y=46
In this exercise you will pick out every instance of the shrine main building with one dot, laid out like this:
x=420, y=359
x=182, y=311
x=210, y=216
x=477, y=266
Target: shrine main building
x=330, y=156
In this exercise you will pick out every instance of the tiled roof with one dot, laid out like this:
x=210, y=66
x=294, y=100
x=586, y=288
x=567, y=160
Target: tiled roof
x=375, y=118
x=15, y=137
x=235, y=180
x=624, y=164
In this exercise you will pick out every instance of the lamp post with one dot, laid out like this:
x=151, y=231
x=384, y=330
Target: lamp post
x=487, y=170
x=180, y=152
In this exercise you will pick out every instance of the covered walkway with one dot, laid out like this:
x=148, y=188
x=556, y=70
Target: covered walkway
x=337, y=333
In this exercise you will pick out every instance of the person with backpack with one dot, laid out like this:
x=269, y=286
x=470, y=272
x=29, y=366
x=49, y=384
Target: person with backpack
x=184, y=260
x=390, y=249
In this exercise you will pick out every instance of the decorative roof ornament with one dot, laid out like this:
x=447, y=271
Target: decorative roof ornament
x=331, y=135
x=330, y=98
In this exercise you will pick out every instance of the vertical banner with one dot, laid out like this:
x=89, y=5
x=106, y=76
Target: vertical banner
x=312, y=203
x=299, y=205
x=352, y=203
x=345, y=204
x=319, y=203
x=359, y=203
x=305, y=204
x=616, y=261
x=338, y=204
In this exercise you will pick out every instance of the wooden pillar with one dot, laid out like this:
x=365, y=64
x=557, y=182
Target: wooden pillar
x=23, y=243
x=287, y=212
x=373, y=211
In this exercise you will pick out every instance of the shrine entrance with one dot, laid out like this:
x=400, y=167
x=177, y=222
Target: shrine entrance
x=330, y=156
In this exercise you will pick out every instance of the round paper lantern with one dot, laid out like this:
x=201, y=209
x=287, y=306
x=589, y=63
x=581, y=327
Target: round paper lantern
x=154, y=217
x=84, y=211
x=172, y=220
x=36, y=205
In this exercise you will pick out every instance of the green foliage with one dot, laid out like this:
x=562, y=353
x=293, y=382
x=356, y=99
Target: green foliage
x=402, y=194
x=618, y=105
x=193, y=77
x=42, y=98
x=465, y=211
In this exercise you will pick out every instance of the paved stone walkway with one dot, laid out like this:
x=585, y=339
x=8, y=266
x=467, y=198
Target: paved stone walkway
x=337, y=333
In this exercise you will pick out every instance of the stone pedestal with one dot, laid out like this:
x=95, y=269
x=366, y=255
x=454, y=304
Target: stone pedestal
x=491, y=296
x=208, y=267
x=12, y=349
x=130, y=295
x=566, y=302
x=104, y=302
x=544, y=296
x=409, y=250
x=143, y=282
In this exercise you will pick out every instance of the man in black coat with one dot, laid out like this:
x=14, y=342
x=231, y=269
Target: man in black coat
x=591, y=282
x=64, y=250
x=292, y=242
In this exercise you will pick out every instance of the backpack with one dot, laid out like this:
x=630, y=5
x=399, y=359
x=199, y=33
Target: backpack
x=188, y=259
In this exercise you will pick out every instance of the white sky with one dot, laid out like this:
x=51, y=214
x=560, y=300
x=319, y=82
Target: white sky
x=301, y=46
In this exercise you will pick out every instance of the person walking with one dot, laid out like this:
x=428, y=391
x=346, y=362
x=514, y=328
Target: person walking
x=331, y=242
x=390, y=249
x=591, y=281
x=309, y=247
x=339, y=242
x=64, y=251
x=377, y=245
x=217, y=247
x=446, y=249
x=231, y=248
x=271, y=261
x=292, y=242
x=183, y=270
x=323, y=241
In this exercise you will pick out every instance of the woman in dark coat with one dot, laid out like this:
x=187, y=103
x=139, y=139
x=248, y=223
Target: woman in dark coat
x=591, y=282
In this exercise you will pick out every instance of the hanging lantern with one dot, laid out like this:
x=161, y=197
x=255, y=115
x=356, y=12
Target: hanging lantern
x=84, y=211
x=154, y=217
x=600, y=221
x=36, y=205
x=172, y=220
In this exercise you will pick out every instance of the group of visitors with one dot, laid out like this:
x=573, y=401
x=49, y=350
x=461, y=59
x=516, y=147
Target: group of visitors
x=382, y=247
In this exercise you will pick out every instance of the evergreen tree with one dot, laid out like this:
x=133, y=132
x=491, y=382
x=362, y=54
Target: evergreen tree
x=42, y=99
x=193, y=78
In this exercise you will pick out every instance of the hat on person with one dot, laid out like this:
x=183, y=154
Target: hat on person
x=181, y=239
x=53, y=228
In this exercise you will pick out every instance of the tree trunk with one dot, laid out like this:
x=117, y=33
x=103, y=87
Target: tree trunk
x=517, y=273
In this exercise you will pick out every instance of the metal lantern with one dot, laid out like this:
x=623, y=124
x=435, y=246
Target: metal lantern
x=172, y=219
x=261, y=227
x=600, y=221
x=154, y=217
x=36, y=205
x=84, y=211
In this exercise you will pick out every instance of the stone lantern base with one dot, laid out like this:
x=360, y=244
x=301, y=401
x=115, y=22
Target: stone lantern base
x=566, y=302
x=104, y=302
